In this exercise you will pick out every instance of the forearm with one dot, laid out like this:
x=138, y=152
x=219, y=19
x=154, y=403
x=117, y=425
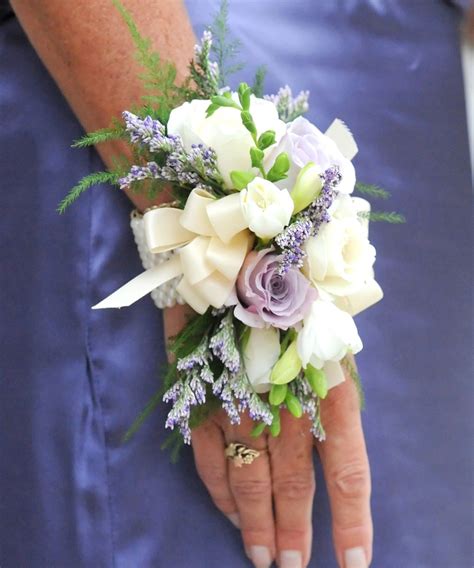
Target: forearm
x=88, y=51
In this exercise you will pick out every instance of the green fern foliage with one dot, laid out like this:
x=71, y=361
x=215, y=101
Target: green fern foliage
x=385, y=216
x=159, y=77
x=113, y=132
x=85, y=183
x=259, y=81
x=372, y=190
x=354, y=374
x=224, y=50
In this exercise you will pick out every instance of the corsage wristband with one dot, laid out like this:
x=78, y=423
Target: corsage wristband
x=166, y=295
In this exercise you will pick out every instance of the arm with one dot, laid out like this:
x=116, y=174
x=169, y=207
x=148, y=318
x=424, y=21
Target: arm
x=88, y=51
x=86, y=48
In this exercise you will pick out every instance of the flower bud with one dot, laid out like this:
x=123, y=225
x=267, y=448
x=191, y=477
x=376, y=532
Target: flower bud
x=307, y=187
x=317, y=380
x=287, y=367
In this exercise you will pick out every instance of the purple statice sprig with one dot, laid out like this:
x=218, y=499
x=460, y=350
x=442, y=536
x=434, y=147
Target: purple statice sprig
x=149, y=132
x=230, y=386
x=186, y=169
x=310, y=403
x=291, y=240
x=289, y=107
x=224, y=346
x=190, y=389
x=204, y=72
x=318, y=211
x=237, y=395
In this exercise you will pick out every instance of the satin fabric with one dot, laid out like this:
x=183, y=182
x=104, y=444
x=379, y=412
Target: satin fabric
x=72, y=380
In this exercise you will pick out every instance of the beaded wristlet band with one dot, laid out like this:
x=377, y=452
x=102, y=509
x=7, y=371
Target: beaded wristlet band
x=165, y=296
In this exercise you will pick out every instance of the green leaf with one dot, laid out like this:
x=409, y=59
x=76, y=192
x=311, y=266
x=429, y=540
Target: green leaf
x=317, y=380
x=256, y=155
x=248, y=122
x=223, y=101
x=258, y=430
x=244, y=95
x=275, y=427
x=266, y=139
x=277, y=394
x=240, y=179
x=293, y=405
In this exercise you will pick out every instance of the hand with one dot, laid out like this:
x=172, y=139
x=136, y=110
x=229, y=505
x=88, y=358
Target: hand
x=271, y=499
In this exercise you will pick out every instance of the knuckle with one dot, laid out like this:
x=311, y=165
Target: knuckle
x=341, y=401
x=352, y=481
x=297, y=485
x=251, y=489
x=226, y=505
x=293, y=535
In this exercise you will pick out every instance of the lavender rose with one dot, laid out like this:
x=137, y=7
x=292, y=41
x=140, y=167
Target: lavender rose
x=266, y=298
x=305, y=143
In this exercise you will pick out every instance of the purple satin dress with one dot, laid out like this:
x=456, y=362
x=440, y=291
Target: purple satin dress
x=72, y=380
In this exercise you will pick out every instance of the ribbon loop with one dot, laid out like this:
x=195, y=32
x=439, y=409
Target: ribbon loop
x=211, y=239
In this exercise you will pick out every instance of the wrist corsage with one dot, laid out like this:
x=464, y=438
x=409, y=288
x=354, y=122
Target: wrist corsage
x=263, y=238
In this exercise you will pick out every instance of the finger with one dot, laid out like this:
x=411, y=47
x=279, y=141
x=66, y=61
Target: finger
x=293, y=489
x=346, y=470
x=209, y=454
x=251, y=487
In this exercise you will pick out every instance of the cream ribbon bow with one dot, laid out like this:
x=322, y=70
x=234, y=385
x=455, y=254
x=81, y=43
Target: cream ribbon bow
x=211, y=238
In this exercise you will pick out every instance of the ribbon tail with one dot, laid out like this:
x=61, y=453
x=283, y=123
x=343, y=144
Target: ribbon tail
x=367, y=296
x=342, y=136
x=142, y=285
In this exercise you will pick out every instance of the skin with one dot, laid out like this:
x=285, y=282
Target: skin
x=87, y=49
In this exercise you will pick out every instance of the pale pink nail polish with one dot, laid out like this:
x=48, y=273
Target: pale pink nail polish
x=260, y=556
x=290, y=559
x=234, y=519
x=355, y=558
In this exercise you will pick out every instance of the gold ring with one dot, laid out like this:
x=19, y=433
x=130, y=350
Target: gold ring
x=241, y=454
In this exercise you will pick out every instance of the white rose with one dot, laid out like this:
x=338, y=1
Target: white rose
x=305, y=143
x=260, y=355
x=223, y=131
x=340, y=257
x=266, y=208
x=328, y=334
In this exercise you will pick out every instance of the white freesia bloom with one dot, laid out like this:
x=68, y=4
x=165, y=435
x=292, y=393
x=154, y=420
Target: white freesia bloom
x=223, y=131
x=340, y=257
x=266, y=208
x=304, y=143
x=260, y=355
x=328, y=334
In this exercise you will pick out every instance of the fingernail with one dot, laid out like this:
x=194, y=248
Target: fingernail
x=234, y=519
x=355, y=558
x=260, y=556
x=290, y=559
